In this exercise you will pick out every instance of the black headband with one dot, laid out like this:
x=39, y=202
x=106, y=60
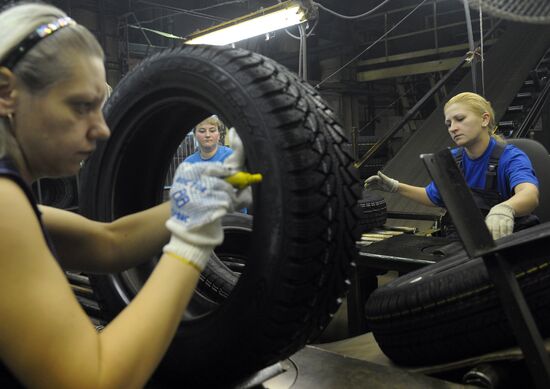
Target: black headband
x=34, y=37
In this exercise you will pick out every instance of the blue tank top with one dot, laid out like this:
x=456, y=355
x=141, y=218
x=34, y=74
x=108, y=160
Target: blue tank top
x=9, y=170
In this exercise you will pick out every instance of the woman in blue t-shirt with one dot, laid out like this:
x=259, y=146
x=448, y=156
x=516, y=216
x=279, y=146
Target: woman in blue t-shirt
x=207, y=134
x=470, y=120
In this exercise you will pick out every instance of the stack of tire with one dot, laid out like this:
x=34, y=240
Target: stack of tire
x=450, y=310
x=374, y=210
x=267, y=296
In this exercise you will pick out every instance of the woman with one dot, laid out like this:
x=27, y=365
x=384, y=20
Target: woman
x=507, y=201
x=208, y=135
x=52, y=86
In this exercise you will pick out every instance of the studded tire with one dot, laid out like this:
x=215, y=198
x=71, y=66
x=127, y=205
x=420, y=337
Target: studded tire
x=305, y=210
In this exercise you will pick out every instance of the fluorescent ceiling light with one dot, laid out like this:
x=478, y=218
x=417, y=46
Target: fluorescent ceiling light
x=286, y=14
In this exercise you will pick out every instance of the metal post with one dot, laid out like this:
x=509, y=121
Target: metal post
x=519, y=318
x=471, y=44
x=478, y=242
x=354, y=140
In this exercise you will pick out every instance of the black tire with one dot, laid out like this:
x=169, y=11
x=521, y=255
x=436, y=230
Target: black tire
x=296, y=270
x=374, y=210
x=449, y=310
x=215, y=283
x=57, y=192
x=229, y=259
x=348, y=188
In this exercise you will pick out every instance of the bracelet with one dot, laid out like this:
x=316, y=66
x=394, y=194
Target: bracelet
x=185, y=261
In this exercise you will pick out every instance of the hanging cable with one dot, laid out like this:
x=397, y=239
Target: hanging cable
x=308, y=34
x=161, y=33
x=372, y=45
x=351, y=17
x=303, y=50
x=189, y=12
x=184, y=12
x=482, y=56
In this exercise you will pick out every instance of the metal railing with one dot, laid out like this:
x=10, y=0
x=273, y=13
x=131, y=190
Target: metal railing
x=534, y=112
x=411, y=113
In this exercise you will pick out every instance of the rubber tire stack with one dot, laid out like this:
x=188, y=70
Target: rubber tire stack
x=306, y=208
x=450, y=310
x=374, y=210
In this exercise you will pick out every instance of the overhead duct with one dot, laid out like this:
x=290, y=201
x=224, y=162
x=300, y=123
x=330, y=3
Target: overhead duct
x=527, y=11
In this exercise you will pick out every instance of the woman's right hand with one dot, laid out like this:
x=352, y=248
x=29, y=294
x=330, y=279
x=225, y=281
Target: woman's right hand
x=199, y=199
x=381, y=182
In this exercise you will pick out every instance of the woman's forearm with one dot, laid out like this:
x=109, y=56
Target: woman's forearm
x=525, y=199
x=140, y=236
x=146, y=327
x=87, y=245
x=415, y=193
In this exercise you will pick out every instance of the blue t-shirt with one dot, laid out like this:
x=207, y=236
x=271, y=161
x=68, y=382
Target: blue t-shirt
x=221, y=154
x=514, y=167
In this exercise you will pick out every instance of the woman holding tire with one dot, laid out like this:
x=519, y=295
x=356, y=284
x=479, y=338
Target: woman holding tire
x=52, y=86
x=508, y=200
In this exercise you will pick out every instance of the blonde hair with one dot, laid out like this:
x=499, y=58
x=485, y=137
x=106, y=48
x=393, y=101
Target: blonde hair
x=46, y=63
x=477, y=104
x=213, y=121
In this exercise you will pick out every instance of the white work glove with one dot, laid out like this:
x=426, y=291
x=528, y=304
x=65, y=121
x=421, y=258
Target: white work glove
x=235, y=162
x=500, y=220
x=382, y=182
x=199, y=198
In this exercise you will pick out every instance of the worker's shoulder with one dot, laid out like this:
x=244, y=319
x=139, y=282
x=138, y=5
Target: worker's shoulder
x=193, y=158
x=17, y=214
x=10, y=188
x=225, y=151
x=512, y=151
x=13, y=198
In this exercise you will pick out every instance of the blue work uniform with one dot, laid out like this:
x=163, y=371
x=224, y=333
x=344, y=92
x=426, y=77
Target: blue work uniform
x=492, y=177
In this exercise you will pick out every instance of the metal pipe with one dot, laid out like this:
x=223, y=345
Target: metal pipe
x=410, y=113
x=354, y=141
x=471, y=43
x=303, y=49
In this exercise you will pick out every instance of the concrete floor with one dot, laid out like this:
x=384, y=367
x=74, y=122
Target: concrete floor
x=338, y=327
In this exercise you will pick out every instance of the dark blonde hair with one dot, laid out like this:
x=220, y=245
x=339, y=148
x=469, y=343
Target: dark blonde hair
x=212, y=120
x=479, y=105
x=46, y=63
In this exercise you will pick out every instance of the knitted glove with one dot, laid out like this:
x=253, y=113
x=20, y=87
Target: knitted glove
x=500, y=220
x=382, y=182
x=199, y=198
x=235, y=162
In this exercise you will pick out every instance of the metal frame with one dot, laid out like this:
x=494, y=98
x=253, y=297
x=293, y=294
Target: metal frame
x=413, y=111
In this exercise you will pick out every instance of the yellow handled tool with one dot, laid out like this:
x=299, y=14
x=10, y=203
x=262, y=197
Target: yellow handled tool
x=241, y=180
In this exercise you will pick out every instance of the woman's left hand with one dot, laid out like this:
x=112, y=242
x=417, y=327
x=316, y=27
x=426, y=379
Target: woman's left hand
x=500, y=220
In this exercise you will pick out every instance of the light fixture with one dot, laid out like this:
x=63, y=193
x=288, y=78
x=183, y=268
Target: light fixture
x=282, y=15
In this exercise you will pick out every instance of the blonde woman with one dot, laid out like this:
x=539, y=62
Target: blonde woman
x=508, y=197
x=52, y=87
x=208, y=135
